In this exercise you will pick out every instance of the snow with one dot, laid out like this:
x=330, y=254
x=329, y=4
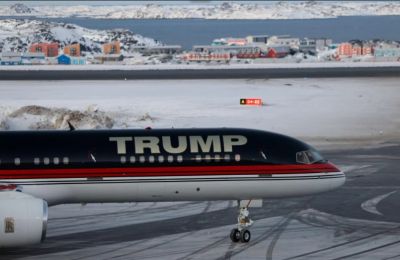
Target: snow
x=321, y=111
x=213, y=10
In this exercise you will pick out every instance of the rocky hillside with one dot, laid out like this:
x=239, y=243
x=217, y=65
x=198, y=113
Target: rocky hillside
x=17, y=35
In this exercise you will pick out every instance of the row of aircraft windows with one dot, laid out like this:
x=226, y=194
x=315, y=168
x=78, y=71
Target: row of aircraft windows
x=141, y=159
x=179, y=158
x=45, y=161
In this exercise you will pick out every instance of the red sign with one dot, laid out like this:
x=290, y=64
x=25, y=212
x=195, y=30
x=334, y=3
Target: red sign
x=251, y=101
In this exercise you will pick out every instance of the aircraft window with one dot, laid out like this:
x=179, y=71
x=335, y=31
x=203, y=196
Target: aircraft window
x=132, y=159
x=123, y=159
x=46, y=160
x=36, y=161
x=66, y=160
x=227, y=157
x=151, y=158
x=237, y=157
x=161, y=158
x=17, y=161
x=179, y=158
x=56, y=160
x=198, y=158
x=142, y=159
x=208, y=158
x=308, y=157
x=170, y=158
x=217, y=158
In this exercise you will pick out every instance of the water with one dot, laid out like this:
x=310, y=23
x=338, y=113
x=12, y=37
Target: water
x=191, y=32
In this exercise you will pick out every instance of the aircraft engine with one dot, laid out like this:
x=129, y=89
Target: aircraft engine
x=23, y=219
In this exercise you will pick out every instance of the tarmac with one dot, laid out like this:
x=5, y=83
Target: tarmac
x=254, y=73
x=360, y=220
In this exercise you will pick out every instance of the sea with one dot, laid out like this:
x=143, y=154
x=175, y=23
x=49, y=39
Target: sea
x=189, y=32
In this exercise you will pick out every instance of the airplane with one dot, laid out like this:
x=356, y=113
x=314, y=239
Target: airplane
x=43, y=168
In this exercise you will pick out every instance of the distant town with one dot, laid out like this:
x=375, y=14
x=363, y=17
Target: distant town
x=250, y=49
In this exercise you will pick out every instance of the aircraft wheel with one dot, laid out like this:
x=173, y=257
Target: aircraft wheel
x=245, y=236
x=235, y=235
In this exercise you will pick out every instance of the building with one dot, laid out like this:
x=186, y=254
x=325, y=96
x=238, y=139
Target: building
x=11, y=58
x=284, y=40
x=112, y=48
x=230, y=41
x=109, y=58
x=232, y=50
x=314, y=45
x=64, y=59
x=78, y=60
x=357, y=48
x=73, y=50
x=367, y=49
x=165, y=49
x=391, y=51
x=278, y=52
x=71, y=60
x=48, y=49
x=257, y=39
x=345, y=49
x=206, y=57
x=33, y=58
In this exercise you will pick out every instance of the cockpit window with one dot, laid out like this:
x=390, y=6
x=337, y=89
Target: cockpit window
x=308, y=157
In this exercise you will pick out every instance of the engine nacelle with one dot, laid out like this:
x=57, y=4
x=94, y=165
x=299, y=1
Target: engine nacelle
x=23, y=219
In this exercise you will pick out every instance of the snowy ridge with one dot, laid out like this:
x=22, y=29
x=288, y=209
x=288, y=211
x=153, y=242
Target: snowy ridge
x=17, y=35
x=226, y=10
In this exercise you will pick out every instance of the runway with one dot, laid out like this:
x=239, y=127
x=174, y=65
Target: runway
x=149, y=73
x=358, y=221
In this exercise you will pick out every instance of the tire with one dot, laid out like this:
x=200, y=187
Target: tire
x=235, y=235
x=245, y=236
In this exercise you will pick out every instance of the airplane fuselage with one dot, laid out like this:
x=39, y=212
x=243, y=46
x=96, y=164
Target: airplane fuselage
x=162, y=165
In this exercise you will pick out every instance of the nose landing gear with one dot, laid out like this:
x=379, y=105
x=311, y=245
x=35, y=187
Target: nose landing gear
x=241, y=233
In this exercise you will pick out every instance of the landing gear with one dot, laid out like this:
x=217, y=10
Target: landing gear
x=245, y=236
x=235, y=235
x=241, y=233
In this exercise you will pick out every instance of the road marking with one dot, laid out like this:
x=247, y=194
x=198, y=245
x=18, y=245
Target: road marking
x=370, y=205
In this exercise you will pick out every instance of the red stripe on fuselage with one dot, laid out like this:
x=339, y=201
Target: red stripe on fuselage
x=164, y=171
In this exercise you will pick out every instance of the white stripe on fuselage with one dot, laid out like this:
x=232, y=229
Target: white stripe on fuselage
x=179, y=188
x=100, y=179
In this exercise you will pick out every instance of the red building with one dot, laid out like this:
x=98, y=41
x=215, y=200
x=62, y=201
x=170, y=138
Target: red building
x=345, y=49
x=48, y=49
x=349, y=50
x=278, y=52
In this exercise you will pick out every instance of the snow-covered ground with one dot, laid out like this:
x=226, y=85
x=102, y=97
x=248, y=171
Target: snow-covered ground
x=213, y=10
x=320, y=111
